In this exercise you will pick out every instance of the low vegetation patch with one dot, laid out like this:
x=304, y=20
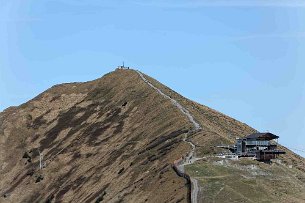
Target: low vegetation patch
x=247, y=181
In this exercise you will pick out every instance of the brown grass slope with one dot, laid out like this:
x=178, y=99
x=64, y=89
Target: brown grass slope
x=244, y=180
x=219, y=128
x=109, y=140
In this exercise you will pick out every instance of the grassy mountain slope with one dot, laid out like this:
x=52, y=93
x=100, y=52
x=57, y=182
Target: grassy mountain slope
x=112, y=139
x=244, y=180
x=108, y=140
x=248, y=181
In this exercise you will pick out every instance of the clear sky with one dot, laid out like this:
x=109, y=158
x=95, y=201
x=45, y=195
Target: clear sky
x=243, y=58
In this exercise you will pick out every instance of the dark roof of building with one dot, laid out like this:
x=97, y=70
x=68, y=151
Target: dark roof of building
x=262, y=136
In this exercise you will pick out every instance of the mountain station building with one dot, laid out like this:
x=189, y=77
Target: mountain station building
x=261, y=146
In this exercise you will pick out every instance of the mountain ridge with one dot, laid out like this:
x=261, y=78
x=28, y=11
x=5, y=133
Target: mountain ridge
x=111, y=139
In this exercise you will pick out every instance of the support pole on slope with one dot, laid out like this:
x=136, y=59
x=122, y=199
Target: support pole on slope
x=40, y=160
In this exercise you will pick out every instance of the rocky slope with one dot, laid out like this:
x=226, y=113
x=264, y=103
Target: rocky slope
x=113, y=139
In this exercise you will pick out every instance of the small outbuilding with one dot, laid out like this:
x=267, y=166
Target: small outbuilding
x=122, y=67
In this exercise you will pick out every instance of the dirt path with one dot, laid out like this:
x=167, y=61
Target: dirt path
x=175, y=103
x=195, y=190
x=190, y=158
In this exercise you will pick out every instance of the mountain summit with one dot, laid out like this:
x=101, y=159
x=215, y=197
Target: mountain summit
x=117, y=139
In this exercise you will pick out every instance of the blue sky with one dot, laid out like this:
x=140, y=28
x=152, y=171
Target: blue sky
x=243, y=58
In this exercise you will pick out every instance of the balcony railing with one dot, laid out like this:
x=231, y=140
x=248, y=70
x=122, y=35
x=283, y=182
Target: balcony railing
x=258, y=143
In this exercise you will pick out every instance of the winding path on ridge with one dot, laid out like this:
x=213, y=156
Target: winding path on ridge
x=191, y=155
